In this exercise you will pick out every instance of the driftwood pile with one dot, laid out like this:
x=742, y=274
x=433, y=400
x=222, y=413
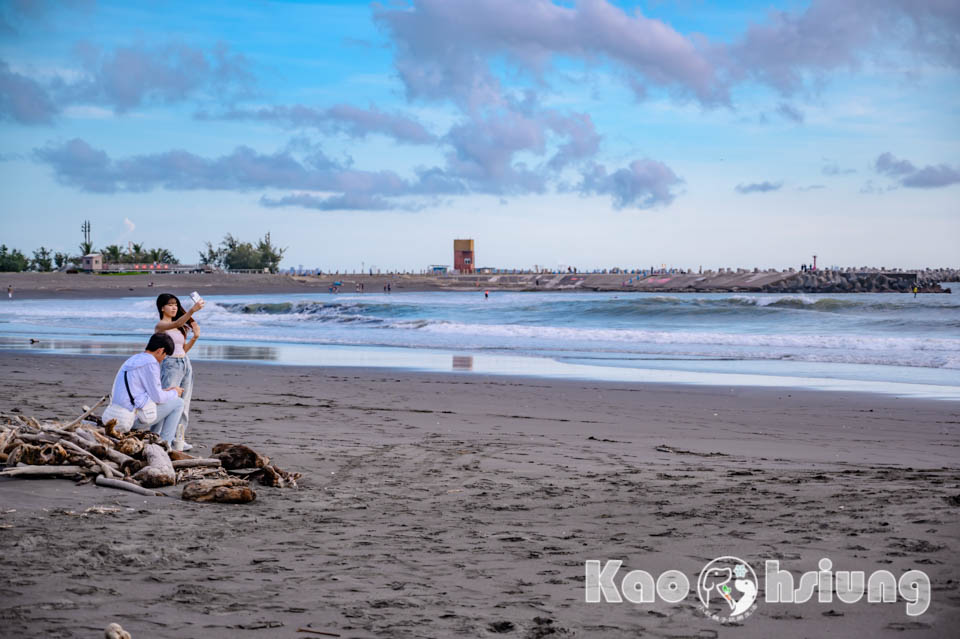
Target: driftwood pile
x=87, y=450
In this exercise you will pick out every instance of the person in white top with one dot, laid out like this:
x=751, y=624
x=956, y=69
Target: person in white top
x=138, y=382
x=176, y=370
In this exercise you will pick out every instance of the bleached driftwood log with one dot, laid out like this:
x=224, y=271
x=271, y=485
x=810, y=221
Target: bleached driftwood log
x=46, y=471
x=107, y=471
x=20, y=452
x=116, y=631
x=86, y=414
x=89, y=453
x=125, y=485
x=196, y=463
x=224, y=491
x=159, y=469
x=94, y=448
x=86, y=435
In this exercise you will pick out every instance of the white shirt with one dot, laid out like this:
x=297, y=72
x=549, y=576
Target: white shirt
x=143, y=375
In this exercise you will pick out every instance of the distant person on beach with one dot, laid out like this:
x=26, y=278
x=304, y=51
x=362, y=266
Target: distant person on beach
x=138, y=382
x=915, y=291
x=10, y=291
x=176, y=369
x=486, y=295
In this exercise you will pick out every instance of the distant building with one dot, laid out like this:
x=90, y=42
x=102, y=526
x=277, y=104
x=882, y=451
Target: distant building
x=464, y=259
x=438, y=269
x=92, y=262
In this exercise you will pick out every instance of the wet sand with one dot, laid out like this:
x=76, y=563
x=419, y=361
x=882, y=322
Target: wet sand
x=440, y=505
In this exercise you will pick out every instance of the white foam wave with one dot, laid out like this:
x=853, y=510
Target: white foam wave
x=854, y=342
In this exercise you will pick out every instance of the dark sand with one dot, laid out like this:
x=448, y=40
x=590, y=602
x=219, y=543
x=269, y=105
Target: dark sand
x=90, y=286
x=436, y=505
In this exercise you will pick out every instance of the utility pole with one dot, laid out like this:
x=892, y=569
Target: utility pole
x=86, y=231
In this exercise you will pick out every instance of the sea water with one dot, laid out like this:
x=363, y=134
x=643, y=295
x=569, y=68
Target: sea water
x=874, y=342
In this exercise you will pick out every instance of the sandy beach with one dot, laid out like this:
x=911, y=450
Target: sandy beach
x=99, y=286
x=439, y=505
x=88, y=286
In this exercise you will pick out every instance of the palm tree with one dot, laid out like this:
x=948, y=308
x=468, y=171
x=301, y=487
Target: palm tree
x=161, y=256
x=136, y=253
x=112, y=254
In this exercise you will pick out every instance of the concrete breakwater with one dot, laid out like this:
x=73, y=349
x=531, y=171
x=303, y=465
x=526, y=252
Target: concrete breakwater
x=63, y=285
x=725, y=280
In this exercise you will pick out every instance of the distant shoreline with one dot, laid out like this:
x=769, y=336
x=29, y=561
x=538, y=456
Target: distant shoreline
x=90, y=286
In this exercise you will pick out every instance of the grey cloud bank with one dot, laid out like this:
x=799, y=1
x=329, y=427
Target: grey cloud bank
x=834, y=169
x=77, y=164
x=130, y=76
x=644, y=184
x=442, y=46
x=908, y=175
x=443, y=51
x=23, y=100
x=790, y=48
x=758, y=187
x=126, y=78
x=340, y=118
x=789, y=112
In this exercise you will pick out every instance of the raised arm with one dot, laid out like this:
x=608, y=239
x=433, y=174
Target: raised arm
x=163, y=325
x=193, y=340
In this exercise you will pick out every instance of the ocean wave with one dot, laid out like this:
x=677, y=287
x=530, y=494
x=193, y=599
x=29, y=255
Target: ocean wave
x=878, y=329
x=553, y=340
x=616, y=308
x=857, y=342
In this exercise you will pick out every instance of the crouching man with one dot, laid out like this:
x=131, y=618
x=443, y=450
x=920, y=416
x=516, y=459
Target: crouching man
x=138, y=382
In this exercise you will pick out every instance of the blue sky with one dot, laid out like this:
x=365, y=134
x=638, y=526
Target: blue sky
x=587, y=133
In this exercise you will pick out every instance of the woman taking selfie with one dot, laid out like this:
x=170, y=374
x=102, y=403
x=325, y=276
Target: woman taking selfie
x=176, y=370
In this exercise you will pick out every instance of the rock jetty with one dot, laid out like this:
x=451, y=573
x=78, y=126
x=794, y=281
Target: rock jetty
x=848, y=280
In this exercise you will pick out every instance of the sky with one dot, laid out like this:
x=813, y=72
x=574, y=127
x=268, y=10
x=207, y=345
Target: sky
x=591, y=133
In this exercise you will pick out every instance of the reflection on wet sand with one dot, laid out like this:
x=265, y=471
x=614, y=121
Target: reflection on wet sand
x=429, y=360
x=234, y=351
x=463, y=362
x=71, y=347
x=200, y=352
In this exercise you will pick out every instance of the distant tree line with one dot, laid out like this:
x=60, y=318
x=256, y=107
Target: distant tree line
x=230, y=254
x=234, y=254
x=14, y=260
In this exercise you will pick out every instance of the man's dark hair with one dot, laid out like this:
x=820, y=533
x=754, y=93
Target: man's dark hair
x=161, y=340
